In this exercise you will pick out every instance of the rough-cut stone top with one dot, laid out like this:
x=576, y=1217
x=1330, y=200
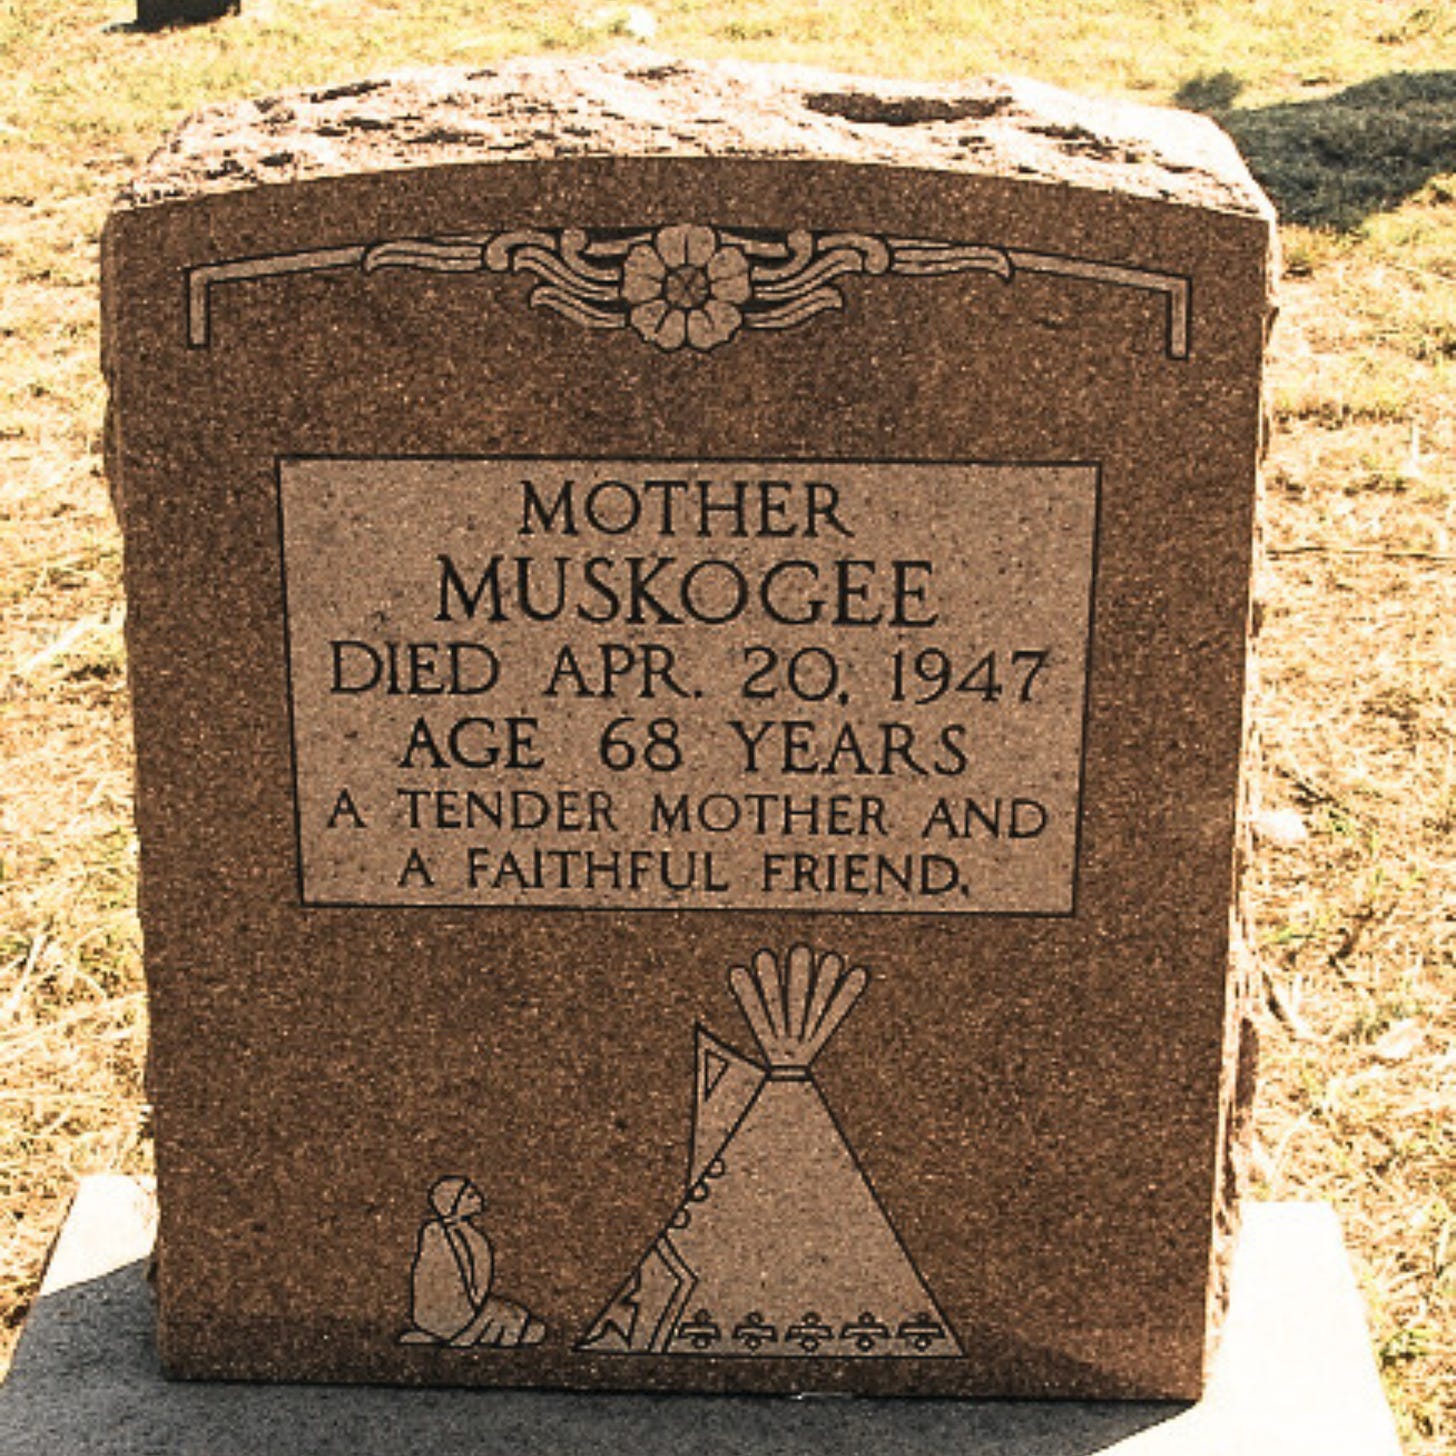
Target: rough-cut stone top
x=640, y=103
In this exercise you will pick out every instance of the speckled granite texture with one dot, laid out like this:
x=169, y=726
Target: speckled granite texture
x=938, y=1079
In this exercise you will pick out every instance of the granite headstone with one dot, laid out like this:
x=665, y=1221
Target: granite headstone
x=689, y=629
x=158, y=14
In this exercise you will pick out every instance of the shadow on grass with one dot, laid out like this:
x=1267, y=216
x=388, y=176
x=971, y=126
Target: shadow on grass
x=1334, y=161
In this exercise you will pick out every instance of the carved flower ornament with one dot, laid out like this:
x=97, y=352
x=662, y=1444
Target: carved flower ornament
x=685, y=287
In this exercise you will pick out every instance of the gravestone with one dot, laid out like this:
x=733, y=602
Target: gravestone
x=158, y=14
x=688, y=628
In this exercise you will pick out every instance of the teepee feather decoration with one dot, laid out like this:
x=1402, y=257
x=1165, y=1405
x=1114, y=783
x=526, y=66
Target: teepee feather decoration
x=779, y=1246
x=794, y=1009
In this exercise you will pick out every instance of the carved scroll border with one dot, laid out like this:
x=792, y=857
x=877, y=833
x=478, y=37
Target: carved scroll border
x=688, y=285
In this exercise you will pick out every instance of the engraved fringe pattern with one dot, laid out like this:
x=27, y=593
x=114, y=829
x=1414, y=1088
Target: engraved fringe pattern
x=796, y=1005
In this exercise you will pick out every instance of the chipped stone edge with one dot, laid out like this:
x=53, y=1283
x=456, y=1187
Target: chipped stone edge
x=1006, y=126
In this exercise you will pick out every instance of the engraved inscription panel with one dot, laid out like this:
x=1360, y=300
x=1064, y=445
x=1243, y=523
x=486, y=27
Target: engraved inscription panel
x=806, y=685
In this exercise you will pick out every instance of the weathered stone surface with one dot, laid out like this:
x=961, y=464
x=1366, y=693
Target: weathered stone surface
x=642, y=104
x=688, y=632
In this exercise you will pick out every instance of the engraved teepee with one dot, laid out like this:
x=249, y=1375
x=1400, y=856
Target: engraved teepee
x=780, y=1246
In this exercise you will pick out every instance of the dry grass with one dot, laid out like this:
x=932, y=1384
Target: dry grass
x=1343, y=112
x=1358, y=926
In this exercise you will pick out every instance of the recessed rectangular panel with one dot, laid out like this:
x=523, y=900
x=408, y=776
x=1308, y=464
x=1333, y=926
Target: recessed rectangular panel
x=750, y=684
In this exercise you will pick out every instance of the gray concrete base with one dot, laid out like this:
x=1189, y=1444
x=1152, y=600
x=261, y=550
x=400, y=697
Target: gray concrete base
x=1294, y=1378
